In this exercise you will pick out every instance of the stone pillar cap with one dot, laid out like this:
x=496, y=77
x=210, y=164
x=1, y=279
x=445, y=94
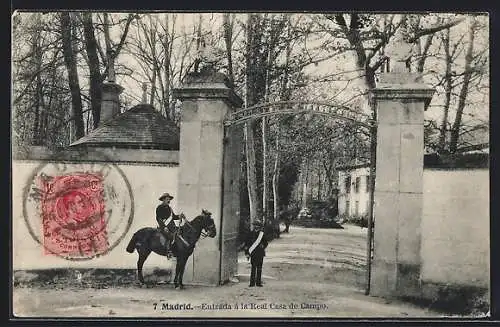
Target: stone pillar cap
x=403, y=86
x=207, y=84
x=113, y=87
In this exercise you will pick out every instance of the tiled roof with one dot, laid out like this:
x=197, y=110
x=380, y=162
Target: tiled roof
x=139, y=127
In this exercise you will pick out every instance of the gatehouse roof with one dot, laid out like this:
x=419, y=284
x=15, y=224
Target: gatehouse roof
x=139, y=127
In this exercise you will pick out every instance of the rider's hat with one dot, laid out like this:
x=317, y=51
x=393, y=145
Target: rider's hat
x=165, y=195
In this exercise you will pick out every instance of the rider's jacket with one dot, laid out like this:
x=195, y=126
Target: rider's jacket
x=165, y=216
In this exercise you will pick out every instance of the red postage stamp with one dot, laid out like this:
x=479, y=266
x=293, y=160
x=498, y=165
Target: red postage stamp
x=73, y=214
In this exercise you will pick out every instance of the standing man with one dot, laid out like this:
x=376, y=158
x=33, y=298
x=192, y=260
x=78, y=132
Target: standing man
x=255, y=246
x=165, y=217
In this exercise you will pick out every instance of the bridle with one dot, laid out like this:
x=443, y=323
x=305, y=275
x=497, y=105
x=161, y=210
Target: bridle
x=202, y=233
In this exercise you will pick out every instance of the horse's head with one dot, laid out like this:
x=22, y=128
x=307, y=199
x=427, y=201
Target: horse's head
x=208, y=223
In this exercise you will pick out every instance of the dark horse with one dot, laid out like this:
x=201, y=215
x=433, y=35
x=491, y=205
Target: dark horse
x=148, y=239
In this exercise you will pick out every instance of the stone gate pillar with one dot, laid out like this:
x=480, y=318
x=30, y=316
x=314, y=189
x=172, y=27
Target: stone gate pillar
x=400, y=103
x=206, y=99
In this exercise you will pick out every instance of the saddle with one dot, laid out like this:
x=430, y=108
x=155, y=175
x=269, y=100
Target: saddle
x=172, y=236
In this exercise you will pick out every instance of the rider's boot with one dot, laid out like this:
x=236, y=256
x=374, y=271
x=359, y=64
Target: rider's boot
x=173, y=235
x=168, y=244
x=169, y=250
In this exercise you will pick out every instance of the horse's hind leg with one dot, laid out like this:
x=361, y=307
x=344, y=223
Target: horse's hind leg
x=143, y=255
x=177, y=272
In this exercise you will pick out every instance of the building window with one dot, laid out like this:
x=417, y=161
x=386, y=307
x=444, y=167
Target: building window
x=356, y=184
x=347, y=208
x=368, y=184
x=356, y=208
x=348, y=184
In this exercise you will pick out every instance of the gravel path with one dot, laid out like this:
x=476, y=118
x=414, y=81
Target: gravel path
x=307, y=273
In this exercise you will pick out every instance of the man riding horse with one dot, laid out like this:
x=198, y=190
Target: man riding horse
x=165, y=217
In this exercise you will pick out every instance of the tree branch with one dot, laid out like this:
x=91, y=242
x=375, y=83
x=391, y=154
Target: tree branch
x=434, y=29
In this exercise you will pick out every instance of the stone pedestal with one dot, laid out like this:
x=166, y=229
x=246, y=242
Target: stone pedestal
x=400, y=101
x=206, y=100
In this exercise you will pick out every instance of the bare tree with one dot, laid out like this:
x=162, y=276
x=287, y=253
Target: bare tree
x=228, y=25
x=250, y=99
x=94, y=50
x=74, y=84
x=468, y=71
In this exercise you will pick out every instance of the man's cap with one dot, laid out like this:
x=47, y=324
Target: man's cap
x=165, y=195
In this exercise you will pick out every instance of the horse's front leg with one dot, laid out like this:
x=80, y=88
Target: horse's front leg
x=179, y=271
x=176, y=278
x=183, y=267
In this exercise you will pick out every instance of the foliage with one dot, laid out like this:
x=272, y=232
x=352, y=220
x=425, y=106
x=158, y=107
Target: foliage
x=318, y=223
x=310, y=58
x=455, y=299
x=358, y=220
x=288, y=176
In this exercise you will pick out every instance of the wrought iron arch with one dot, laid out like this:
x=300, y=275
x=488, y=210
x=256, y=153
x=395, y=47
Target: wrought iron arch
x=299, y=107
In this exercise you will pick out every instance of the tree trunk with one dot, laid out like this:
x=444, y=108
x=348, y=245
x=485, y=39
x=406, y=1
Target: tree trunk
x=448, y=87
x=423, y=52
x=197, y=60
x=329, y=176
x=250, y=97
x=284, y=96
x=38, y=92
x=264, y=139
x=167, y=45
x=264, y=167
x=318, y=196
x=74, y=86
x=156, y=64
x=228, y=38
x=455, y=129
x=276, y=175
x=94, y=70
x=152, y=92
x=251, y=172
x=306, y=183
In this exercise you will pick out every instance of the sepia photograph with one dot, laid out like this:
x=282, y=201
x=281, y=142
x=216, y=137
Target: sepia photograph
x=222, y=165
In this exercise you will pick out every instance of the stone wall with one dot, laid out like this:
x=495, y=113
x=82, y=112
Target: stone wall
x=148, y=174
x=456, y=227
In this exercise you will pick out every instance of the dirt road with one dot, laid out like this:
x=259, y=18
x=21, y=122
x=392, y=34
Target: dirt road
x=307, y=273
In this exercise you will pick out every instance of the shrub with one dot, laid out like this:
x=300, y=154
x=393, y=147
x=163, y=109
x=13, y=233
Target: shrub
x=455, y=299
x=358, y=220
x=318, y=223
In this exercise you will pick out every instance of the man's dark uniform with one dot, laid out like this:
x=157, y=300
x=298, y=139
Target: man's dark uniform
x=257, y=253
x=165, y=218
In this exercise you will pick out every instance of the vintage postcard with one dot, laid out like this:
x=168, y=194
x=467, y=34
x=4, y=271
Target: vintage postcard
x=250, y=165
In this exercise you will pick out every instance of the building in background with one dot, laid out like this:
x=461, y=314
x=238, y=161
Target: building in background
x=354, y=190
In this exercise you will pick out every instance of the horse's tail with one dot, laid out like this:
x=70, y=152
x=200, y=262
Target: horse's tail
x=133, y=242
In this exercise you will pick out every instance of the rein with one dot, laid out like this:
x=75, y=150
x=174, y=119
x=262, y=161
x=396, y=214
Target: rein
x=202, y=233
